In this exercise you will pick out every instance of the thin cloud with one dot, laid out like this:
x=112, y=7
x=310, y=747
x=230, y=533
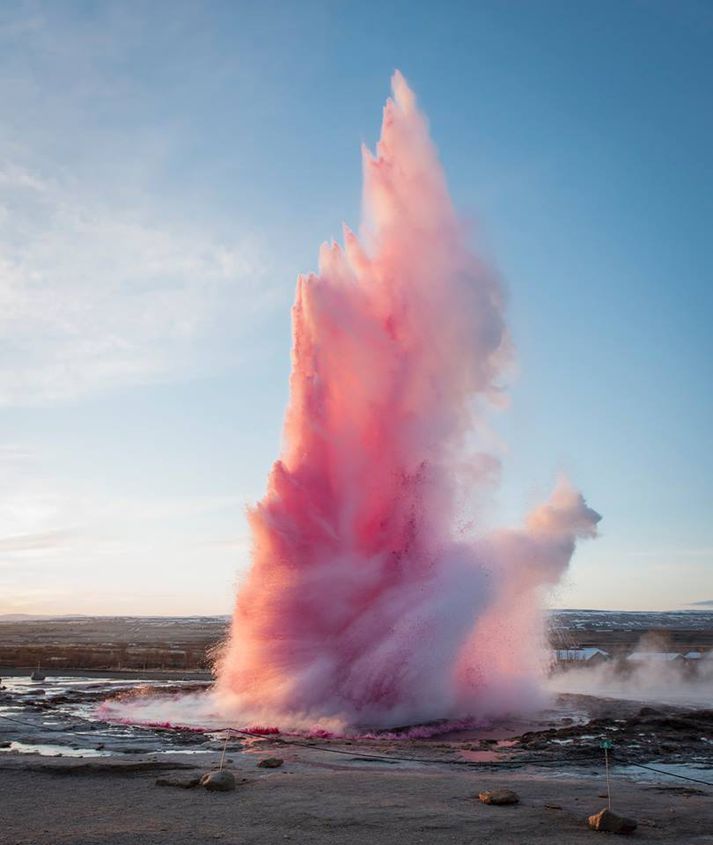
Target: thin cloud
x=105, y=280
x=41, y=540
x=94, y=297
x=703, y=551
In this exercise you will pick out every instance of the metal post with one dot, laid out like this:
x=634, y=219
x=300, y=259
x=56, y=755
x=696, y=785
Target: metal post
x=225, y=745
x=606, y=745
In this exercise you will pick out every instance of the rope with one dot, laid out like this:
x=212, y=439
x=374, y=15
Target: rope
x=393, y=758
x=669, y=774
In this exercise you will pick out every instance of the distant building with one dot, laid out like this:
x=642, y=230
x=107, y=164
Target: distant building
x=587, y=656
x=655, y=656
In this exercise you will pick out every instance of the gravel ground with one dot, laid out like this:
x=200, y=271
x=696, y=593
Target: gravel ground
x=106, y=801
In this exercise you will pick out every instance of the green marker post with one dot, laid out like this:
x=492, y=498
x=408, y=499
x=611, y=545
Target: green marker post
x=606, y=745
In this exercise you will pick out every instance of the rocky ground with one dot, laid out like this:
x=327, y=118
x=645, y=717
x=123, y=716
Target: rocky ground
x=672, y=735
x=68, y=777
x=314, y=799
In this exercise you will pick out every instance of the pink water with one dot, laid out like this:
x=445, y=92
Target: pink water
x=366, y=603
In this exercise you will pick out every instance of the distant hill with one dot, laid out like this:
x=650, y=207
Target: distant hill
x=37, y=617
x=49, y=617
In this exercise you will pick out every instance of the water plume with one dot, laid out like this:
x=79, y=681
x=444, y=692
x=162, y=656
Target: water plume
x=365, y=604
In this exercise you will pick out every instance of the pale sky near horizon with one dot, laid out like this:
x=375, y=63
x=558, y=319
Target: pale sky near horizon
x=168, y=168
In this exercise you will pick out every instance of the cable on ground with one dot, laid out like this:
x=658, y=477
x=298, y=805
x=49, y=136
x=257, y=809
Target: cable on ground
x=395, y=759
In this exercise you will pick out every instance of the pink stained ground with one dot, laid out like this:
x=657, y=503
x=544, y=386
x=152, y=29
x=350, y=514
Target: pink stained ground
x=366, y=605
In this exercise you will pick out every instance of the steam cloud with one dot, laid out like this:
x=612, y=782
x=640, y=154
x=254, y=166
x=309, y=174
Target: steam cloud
x=365, y=605
x=649, y=678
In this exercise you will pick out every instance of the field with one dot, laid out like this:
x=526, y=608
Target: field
x=111, y=643
x=117, y=643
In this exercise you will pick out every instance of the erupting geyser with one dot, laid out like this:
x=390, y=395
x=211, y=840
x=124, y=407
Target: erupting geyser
x=365, y=604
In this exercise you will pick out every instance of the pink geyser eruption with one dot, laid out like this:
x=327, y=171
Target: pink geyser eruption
x=365, y=604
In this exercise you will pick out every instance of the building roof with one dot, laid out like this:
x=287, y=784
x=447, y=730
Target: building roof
x=660, y=656
x=579, y=653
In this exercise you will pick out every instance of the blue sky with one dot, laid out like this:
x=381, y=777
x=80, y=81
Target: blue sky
x=167, y=169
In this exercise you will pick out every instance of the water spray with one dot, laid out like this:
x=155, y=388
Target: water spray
x=367, y=604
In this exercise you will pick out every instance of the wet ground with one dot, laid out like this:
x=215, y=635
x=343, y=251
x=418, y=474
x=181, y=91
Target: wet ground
x=59, y=717
x=70, y=777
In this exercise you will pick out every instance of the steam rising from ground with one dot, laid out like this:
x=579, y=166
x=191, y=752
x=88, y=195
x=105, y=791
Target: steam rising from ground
x=649, y=678
x=365, y=604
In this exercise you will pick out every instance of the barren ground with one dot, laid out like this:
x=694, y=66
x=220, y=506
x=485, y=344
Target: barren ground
x=61, y=802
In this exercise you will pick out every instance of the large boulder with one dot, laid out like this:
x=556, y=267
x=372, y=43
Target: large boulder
x=221, y=781
x=610, y=822
x=499, y=796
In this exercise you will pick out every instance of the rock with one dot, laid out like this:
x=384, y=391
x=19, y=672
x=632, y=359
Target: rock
x=218, y=781
x=271, y=763
x=5, y=744
x=180, y=781
x=610, y=822
x=499, y=796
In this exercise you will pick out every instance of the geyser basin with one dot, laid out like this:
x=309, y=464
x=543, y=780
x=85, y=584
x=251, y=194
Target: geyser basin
x=366, y=603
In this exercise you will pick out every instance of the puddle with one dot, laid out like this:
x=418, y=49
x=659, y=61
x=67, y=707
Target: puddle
x=54, y=750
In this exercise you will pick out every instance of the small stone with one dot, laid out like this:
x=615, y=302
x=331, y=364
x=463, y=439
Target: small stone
x=610, y=822
x=499, y=796
x=218, y=781
x=271, y=763
x=180, y=781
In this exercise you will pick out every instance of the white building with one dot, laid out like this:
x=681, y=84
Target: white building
x=655, y=656
x=581, y=655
